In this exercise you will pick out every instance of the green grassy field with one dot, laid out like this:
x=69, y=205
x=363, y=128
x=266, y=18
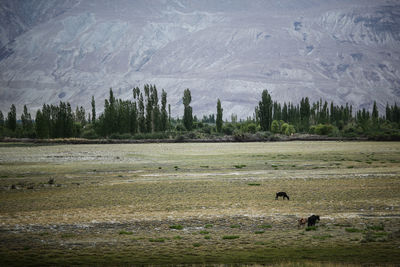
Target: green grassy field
x=200, y=203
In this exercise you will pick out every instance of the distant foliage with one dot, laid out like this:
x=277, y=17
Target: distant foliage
x=145, y=116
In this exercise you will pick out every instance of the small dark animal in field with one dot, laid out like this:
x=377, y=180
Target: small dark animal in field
x=301, y=222
x=282, y=194
x=312, y=220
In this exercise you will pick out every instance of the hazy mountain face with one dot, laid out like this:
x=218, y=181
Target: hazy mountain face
x=341, y=51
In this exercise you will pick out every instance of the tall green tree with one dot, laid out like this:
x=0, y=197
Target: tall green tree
x=219, y=121
x=265, y=111
x=169, y=116
x=375, y=114
x=133, y=118
x=109, y=120
x=187, y=113
x=27, y=124
x=93, y=103
x=11, y=122
x=305, y=113
x=1, y=123
x=156, y=116
x=80, y=116
x=149, y=109
x=164, y=114
x=141, y=117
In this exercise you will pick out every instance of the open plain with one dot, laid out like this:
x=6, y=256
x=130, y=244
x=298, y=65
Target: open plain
x=203, y=203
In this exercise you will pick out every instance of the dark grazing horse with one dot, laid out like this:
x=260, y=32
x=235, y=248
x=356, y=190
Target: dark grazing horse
x=312, y=220
x=282, y=194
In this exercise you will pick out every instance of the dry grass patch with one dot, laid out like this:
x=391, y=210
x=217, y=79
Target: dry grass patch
x=158, y=190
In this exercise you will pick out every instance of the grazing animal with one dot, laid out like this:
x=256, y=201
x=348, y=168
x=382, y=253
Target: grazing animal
x=282, y=194
x=312, y=220
x=302, y=221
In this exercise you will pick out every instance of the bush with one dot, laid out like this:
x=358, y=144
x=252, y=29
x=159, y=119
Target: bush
x=252, y=128
x=123, y=232
x=323, y=129
x=180, y=128
x=176, y=227
x=158, y=240
x=353, y=230
x=207, y=129
x=230, y=237
x=290, y=130
x=228, y=129
x=275, y=127
x=350, y=131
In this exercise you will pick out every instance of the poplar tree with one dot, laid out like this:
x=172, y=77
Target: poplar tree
x=26, y=119
x=141, y=118
x=11, y=122
x=265, y=111
x=1, y=122
x=375, y=114
x=187, y=113
x=164, y=115
x=93, y=110
x=219, y=121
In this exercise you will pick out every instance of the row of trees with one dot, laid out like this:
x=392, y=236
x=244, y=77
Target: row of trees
x=146, y=114
x=303, y=115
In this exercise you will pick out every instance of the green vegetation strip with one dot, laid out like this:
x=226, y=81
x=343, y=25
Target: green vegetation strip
x=360, y=254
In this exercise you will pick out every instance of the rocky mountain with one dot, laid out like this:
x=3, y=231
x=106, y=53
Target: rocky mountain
x=341, y=51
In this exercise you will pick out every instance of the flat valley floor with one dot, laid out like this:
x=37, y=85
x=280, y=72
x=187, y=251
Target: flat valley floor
x=204, y=203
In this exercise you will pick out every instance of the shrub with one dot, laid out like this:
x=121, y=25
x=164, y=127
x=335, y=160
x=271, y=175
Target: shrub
x=240, y=166
x=228, y=129
x=275, y=127
x=67, y=235
x=230, y=237
x=176, y=227
x=89, y=134
x=290, y=130
x=284, y=127
x=324, y=129
x=375, y=227
x=180, y=128
x=159, y=240
x=252, y=128
x=207, y=129
x=125, y=232
x=353, y=230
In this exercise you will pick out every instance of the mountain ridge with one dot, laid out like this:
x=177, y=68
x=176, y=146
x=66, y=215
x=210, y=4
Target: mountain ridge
x=337, y=51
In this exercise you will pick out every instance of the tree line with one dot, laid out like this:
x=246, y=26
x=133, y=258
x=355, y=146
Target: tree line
x=146, y=115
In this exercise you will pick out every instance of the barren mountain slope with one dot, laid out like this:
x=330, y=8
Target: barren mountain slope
x=339, y=51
